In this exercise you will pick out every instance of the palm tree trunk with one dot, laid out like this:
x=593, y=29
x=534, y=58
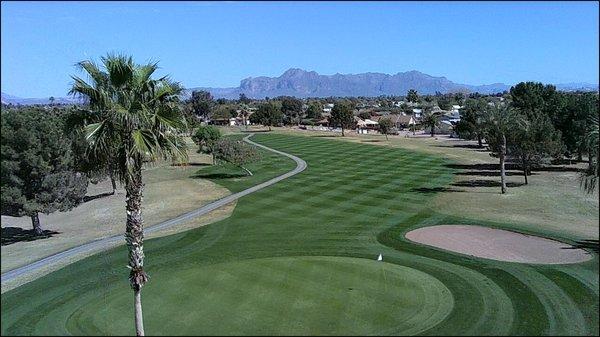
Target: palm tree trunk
x=502, y=171
x=342, y=131
x=134, y=236
x=113, y=182
x=35, y=221
x=479, y=140
x=139, y=320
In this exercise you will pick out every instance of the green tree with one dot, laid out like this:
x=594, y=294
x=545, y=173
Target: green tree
x=342, y=115
x=244, y=99
x=206, y=138
x=268, y=114
x=431, y=120
x=364, y=115
x=412, y=96
x=223, y=112
x=292, y=108
x=534, y=141
x=470, y=125
x=37, y=166
x=385, y=126
x=315, y=110
x=236, y=153
x=444, y=103
x=201, y=104
x=500, y=121
x=139, y=116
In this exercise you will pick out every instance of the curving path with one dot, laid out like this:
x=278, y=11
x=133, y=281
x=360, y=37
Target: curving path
x=110, y=241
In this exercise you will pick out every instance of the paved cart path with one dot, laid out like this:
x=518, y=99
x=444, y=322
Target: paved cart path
x=111, y=241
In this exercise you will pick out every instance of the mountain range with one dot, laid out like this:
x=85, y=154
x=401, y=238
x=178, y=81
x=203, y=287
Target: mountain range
x=301, y=83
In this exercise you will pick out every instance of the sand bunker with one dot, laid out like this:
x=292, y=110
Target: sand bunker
x=497, y=244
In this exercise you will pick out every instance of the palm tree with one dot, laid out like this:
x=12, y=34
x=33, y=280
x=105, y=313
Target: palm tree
x=431, y=120
x=136, y=119
x=499, y=121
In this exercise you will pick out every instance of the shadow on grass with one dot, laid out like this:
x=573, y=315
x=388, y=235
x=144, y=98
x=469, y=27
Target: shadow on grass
x=12, y=235
x=193, y=164
x=431, y=190
x=97, y=196
x=508, y=166
x=326, y=136
x=466, y=146
x=484, y=183
x=490, y=173
x=593, y=245
x=254, y=131
x=372, y=141
x=218, y=175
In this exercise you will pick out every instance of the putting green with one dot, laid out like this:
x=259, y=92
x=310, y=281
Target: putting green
x=282, y=296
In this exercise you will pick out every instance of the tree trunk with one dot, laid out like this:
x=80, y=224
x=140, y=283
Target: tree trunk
x=579, y=155
x=134, y=237
x=269, y=128
x=35, y=221
x=386, y=138
x=139, y=319
x=524, y=164
x=114, y=183
x=590, y=161
x=479, y=140
x=432, y=130
x=342, y=131
x=502, y=172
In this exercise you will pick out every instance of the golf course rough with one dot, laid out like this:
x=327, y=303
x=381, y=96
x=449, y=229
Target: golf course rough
x=284, y=261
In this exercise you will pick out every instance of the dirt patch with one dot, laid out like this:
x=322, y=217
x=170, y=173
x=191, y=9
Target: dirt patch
x=498, y=244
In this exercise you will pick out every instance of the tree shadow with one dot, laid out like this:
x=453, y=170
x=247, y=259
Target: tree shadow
x=254, y=131
x=12, y=235
x=512, y=166
x=594, y=245
x=97, y=196
x=372, y=141
x=466, y=146
x=490, y=173
x=218, y=175
x=432, y=190
x=193, y=164
x=326, y=136
x=484, y=183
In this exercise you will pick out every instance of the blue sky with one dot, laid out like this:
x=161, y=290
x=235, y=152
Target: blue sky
x=218, y=44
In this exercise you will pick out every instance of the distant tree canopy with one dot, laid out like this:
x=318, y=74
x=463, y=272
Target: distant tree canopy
x=385, y=126
x=268, y=114
x=244, y=99
x=470, y=125
x=444, y=103
x=342, y=115
x=315, y=110
x=412, y=96
x=201, y=104
x=292, y=108
x=236, y=153
x=37, y=166
x=364, y=115
x=223, y=112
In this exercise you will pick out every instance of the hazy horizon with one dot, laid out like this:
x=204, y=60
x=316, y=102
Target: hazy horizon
x=205, y=44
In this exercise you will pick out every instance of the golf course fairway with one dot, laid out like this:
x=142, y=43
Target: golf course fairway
x=299, y=257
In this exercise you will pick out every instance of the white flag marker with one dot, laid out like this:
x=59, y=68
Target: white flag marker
x=380, y=258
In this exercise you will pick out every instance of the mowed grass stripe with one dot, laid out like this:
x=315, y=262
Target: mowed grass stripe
x=353, y=200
